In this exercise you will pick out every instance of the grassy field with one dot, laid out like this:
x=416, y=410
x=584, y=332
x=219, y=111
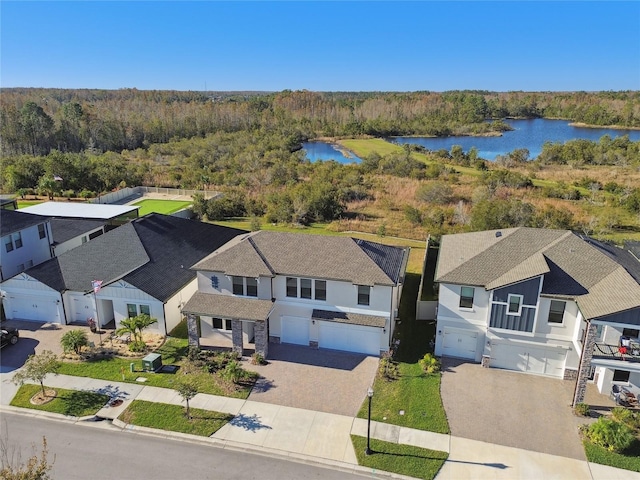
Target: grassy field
x=173, y=418
x=75, y=403
x=173, y=352
x=165, y=207
x=407, y=460
x=28, y=203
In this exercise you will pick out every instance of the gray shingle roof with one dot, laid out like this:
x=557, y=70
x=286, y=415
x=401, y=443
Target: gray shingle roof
x=572, y=267
x=352, y=318
x=227, y=306
x=64, y=229
x=12, y=221
x=152, y=253
x=316, y=256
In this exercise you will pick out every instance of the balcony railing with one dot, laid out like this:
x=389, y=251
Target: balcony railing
x=612, y=352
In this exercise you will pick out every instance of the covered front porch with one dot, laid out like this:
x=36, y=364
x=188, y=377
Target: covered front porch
x=229, y=311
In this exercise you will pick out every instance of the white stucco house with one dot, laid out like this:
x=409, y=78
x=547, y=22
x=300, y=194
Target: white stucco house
x=546, y=302
x=325, y=292
x=143, y=266
x=26, y=240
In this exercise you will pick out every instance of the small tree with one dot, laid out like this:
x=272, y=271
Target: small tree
x=187, y=389
x=74, y=340
x=37, y=367
x=135, y=326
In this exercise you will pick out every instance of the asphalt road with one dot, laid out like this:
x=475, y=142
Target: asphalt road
x=101, y=451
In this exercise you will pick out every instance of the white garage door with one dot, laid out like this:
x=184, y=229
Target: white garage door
x=531, y=359
x=32, y=307
x=82, y=307
x=350, y=338
x=460, y=343
x=294, y=330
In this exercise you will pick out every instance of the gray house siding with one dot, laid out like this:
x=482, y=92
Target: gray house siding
x=498, y=318
x=528, y=289
x=519, y=323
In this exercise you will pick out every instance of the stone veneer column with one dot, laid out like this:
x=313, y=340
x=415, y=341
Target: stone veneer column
x=585, y=365
x=192, y=330
x=261, y=339
x=236, y=336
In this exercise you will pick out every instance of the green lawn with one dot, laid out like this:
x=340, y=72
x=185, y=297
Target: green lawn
x=173, y=352
x=28, y=203
x=413, y=400
x=173, y=418
x=75, y=403
x=407, y=460
x=165, y=207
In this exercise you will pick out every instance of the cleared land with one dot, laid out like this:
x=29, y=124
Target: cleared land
x=166, y=207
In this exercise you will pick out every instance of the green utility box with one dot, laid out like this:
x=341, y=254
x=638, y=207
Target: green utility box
x=152, y=362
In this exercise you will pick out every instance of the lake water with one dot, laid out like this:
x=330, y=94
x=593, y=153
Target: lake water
x=529, y=134
x=326, y=151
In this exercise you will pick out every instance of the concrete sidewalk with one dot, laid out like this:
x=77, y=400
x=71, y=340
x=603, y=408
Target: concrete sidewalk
x=323, y=437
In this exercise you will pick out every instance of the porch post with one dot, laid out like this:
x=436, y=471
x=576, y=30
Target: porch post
x=236, y=336
x=585, y=364
x=261, y=338
x=192, y=330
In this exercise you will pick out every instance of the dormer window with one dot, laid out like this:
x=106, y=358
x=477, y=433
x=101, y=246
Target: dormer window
x=514, y=303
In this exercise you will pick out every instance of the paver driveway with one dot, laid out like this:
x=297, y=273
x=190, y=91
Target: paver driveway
x=322, y=380
x=514, y=409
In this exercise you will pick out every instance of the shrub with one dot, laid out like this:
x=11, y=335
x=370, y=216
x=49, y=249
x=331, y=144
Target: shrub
x=610, y=434
x=582, y=409
x=137, y=346
x=388, y=368
x=626, y=416
x=429, y=364
x=74, y=340
x=233, y=372
x=257, y=359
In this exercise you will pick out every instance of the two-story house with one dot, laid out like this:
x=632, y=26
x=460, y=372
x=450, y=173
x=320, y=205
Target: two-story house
x=325, y=292
x=546, y=302
x=26, y=241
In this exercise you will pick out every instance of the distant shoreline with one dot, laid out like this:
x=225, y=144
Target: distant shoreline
x=612, y=127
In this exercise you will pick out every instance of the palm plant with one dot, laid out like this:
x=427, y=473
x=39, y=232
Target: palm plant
x=135, y=325
x=74, y=340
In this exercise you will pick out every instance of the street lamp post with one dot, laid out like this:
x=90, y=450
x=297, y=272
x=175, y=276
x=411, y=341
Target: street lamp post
x=368, y=450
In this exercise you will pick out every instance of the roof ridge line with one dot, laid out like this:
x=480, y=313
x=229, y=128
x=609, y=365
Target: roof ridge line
x=260, y=254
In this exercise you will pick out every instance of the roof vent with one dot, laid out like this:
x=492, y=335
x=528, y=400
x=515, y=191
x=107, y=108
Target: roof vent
x=498, y=234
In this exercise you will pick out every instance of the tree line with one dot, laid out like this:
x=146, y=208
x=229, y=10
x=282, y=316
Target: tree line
x=37, y=121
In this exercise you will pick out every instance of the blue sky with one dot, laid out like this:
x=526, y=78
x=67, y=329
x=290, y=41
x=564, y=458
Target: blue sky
x=321, y=46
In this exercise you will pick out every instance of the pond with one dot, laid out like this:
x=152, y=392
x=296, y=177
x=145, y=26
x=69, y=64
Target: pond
x=529, y=134
x=327, y=151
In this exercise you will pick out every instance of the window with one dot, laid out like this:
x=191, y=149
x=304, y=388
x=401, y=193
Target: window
x=238, y=285
x=305, y=288
x=17, y=240
x=466, y=297
x=599, y=329
x=620, y=376
x=132, y=310
x=556, y=311
x=227, y=325
x=292, y=287
x=217, y=323
x=364, y=292
x=215, y=283
x=8, y=244
x=252, y=287
x=321, y=290
x=84, y=239
x=42, y=231
x=144, y=309
x=631, y=332
x=515, y=304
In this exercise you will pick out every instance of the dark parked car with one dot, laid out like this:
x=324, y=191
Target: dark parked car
x=10, y=335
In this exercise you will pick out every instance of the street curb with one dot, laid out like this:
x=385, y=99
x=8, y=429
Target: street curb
x=213, y=442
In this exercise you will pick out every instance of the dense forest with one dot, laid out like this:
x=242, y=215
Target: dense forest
x=247, y=145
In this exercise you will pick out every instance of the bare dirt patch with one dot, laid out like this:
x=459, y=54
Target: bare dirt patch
x=40, y=399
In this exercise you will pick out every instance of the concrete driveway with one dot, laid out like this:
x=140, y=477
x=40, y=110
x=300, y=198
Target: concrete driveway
x=35, y=337
x=322, y=380
x=514, y=409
